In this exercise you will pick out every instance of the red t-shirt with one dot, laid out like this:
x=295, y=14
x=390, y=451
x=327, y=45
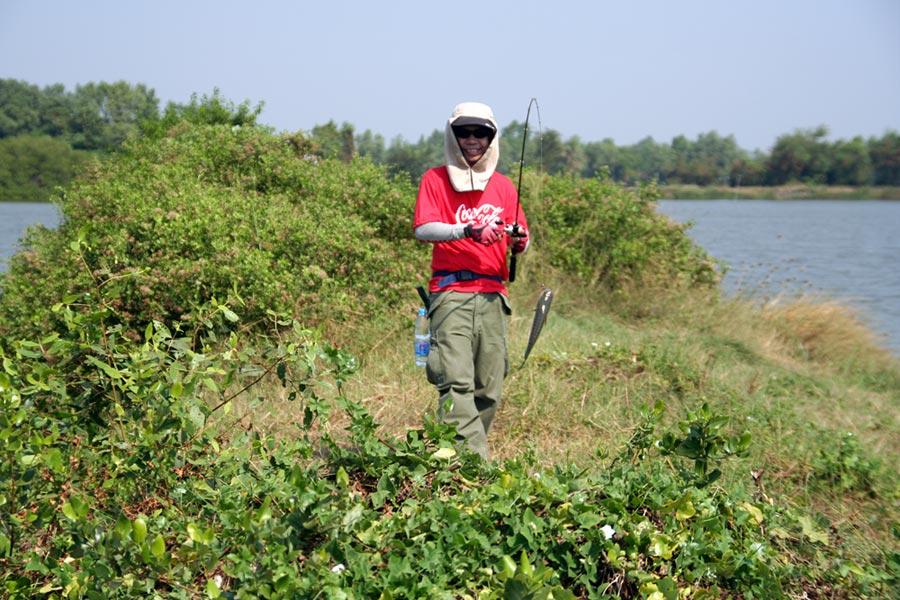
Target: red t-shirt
x=437, y=201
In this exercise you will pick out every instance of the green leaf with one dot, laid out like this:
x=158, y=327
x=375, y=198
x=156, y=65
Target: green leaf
x=342, y=478
x=662, y=546
x=110, y=371
x=199, y=535
x=812, y=532
x=75, y=508
x=684, y=509
x=123, y=528
x=158, y=547
x=755, y=513
x=445, y=453
x=212, y=590
x=139, y=530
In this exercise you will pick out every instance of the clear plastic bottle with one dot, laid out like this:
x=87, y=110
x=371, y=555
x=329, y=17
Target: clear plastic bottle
x=423, y=338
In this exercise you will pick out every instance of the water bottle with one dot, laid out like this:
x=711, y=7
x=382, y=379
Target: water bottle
x=423, y=338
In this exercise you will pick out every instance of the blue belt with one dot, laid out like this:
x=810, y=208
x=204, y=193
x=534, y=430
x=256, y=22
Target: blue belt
x=451, y=277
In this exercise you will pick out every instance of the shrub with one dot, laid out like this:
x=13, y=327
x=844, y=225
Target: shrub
x=243, y=215
x=212, y=211
x=607, y=235
x=124, y=480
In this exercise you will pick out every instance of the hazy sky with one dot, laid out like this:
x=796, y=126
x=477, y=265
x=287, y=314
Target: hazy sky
x=625, y=70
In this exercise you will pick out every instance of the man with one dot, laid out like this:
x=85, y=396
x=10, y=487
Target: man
x=468, y=211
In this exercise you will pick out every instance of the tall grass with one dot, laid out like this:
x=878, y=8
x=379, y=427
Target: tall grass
x=807, y=378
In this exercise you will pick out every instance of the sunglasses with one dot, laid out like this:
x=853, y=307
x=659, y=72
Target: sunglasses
x=479, y=132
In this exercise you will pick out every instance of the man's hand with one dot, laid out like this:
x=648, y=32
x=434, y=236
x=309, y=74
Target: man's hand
x=486, y=234
x=519, y=239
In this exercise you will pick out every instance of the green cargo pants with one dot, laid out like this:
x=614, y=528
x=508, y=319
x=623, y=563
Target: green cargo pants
x=468, y=361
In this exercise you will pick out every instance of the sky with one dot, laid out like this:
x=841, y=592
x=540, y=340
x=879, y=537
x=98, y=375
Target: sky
x=623, y=70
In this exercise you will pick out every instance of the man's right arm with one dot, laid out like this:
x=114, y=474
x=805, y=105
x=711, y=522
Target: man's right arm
x=440, y=232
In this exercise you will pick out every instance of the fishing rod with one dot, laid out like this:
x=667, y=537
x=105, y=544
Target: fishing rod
x=545, y=298
x=515, y=230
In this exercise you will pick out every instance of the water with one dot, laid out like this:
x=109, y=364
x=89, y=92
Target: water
x=15, y=217
x=845, y=250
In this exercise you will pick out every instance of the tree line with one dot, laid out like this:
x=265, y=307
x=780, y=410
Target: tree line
x=46, y=134
x=803, y=156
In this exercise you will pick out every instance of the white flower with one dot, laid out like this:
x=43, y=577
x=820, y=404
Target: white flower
x=338, y=568
x=608, y=531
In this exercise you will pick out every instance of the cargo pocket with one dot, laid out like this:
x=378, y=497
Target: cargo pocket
x=434, y=366
x=507, y=311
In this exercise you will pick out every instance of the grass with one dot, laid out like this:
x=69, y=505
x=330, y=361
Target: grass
x=812, y=384
x=805, y=377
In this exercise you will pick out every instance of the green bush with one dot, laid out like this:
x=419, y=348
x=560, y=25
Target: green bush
x=31, y=167
x=221, y=212
x=123, y=479
x=243, y=215
x=608, y=235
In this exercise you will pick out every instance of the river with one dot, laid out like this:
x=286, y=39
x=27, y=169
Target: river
x=841, y=249
x=845, y=250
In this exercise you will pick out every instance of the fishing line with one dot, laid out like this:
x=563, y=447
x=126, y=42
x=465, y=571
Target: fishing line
x=545, y=298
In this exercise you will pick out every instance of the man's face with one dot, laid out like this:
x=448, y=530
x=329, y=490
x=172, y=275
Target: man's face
x=473, y=141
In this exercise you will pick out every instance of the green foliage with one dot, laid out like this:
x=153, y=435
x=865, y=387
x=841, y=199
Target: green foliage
x=609, y=236
x=125, y=474
x=845, y=466
x=234, y=213
x=206, y=110
x=249, y=217
x=124, y=479
x=31, y=167
x=700, y=440
x=106, y=115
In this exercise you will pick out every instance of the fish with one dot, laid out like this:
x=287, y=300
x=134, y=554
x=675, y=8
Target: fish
x=541, y=310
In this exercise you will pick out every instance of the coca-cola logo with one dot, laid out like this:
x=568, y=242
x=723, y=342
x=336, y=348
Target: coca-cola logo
x=480, y=215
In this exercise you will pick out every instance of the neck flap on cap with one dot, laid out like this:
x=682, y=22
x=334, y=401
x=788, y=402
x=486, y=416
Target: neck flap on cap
x=465, y=178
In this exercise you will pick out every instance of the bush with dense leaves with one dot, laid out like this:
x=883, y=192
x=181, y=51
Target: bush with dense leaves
x=243, y=215
x=122, y=478
x=221, y=212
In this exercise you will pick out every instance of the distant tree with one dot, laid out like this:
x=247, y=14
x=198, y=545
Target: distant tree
x=31, y=167
x=205, y=110
x=749, y=170
x=20, y=108
x=708, y=160
x=107, y=114
x=652, y=161
x=802, y=156
x=885, y=156
x=56, y=111
x=412, y=160
x=511, y=151
x=333, y=142
x=850, y=163
x=604, y=156
x=371, y=145
x=553, y=152
x=575, y=156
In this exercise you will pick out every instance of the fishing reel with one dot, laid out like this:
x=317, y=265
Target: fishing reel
x=515, y=230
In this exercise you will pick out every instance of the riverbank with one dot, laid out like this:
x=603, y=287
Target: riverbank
x=783, y=192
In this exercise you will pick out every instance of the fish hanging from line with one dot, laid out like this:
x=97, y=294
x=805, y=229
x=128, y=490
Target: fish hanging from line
x=541, y=310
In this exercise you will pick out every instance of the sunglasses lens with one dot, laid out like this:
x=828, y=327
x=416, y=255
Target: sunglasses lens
x=479, y=132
